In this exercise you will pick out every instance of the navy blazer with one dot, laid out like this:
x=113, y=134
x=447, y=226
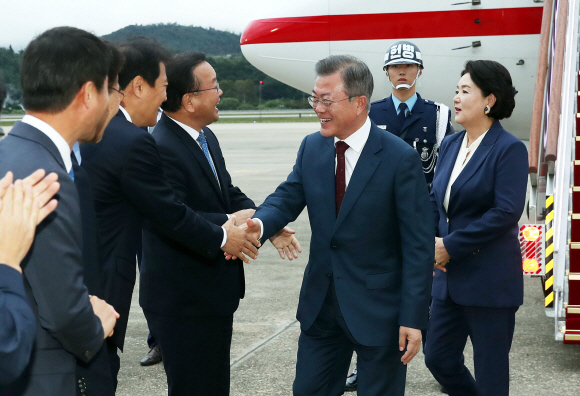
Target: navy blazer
x=419, y=129
x=129, y=184
x=17, y=325
x=53, y=280
x=175, y=280
x=480, y=230
x=379, y=249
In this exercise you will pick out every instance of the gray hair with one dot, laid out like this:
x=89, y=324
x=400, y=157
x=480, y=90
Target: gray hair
x=356, y=75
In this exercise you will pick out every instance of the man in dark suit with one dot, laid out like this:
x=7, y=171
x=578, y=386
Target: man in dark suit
x=64, y=80
x=189, y=299
x=19, y=215
x=129, y=184
x=366, y=286
x=420, y=122
x=95, y=377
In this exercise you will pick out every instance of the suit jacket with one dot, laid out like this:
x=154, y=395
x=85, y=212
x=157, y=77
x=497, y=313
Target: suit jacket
x=175, y=280
x=419, y=129
x=92, y=269
x=95, y=375
x=129, y=184
x=480, y=229
x=379, y=249
x=65, y=322
x=17, y=325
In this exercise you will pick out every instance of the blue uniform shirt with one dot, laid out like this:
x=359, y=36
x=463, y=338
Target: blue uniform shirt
x=419, y=129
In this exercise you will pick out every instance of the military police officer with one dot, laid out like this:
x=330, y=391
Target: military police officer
x=420, y=122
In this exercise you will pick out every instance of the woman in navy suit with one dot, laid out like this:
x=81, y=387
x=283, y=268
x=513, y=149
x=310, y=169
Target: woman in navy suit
x=478, y=196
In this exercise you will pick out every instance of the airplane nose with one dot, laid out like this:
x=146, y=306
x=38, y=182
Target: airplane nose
x=287, y=48
x=286, y=30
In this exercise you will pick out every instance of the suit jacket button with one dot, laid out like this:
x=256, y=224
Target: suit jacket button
x=329, y=276
x=334, y=247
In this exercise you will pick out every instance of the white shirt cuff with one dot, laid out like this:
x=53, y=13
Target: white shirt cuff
x=225, y=238
x=261, y=227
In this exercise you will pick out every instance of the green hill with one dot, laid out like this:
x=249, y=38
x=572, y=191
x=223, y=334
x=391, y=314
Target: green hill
x=179, y=38
x=239, y=80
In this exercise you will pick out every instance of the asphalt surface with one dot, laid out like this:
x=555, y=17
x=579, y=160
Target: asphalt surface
x=263, y=356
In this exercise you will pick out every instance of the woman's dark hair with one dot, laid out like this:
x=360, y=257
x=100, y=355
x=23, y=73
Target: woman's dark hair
x=493, y=78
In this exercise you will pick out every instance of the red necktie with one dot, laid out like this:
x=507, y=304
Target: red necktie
x=340, y=180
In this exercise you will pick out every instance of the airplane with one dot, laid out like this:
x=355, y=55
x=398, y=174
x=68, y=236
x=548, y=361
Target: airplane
x=448, y=33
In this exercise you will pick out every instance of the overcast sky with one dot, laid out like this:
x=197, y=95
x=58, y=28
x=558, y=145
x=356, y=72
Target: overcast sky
x=22, y=20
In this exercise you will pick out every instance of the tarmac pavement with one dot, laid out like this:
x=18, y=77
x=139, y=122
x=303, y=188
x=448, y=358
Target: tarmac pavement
x=263, y=356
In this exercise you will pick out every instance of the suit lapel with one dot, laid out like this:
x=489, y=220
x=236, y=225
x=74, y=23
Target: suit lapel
x=446, y=167
x=364, y=169
x=29, y=132
x=477, y=160
x=212, y=147
x=195, y=150
x=324, y=171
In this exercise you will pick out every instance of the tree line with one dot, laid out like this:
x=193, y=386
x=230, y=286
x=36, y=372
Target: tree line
x=239, y=80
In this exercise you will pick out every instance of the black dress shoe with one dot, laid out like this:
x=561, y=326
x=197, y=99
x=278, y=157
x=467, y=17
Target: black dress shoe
x=153, y=357
x=351, y=383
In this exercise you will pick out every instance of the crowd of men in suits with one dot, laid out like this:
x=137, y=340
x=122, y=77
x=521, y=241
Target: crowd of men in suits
x=366, y=287
x=79, y=89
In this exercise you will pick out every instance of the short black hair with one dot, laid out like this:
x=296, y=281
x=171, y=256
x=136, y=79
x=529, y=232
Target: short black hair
x=57, y=64
x=142, y=58
x=117, y=62
x=493, y=78
x=181, y=79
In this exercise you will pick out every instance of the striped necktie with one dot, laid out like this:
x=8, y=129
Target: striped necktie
x=203, y=143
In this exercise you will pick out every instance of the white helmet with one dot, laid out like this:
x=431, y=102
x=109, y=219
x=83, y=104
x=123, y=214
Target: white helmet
x=401, y=53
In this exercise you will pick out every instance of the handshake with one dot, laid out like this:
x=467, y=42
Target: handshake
x=244, y=234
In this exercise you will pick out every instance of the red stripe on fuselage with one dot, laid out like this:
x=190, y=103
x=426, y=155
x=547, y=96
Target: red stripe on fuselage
x=492, y=22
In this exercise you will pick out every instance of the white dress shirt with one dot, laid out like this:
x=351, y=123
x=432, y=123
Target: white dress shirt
x=463, y=157
x=356, y=142
x=61, y=144
x=195, y=134
x=126, y=114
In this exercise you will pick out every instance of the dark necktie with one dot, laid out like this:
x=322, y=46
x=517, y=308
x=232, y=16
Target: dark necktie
x=401, y=116
x=340, y=178
x=203, y=143
x=74, y=161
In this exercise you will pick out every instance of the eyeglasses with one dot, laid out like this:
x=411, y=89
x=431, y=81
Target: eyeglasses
x=217, y=89
x=324, y=102
x=118, y=91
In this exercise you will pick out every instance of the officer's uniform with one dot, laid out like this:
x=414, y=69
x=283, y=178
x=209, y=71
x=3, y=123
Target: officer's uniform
x=420, y=128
